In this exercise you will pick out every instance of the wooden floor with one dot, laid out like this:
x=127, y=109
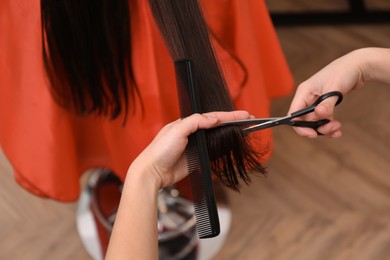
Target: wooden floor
x=323, y=199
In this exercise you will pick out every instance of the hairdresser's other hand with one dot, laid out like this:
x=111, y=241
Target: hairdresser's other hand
x=164, y=158
x=344, y=75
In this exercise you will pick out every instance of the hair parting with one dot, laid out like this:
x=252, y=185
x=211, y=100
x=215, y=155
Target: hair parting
x=186, y=35
x=86, y=52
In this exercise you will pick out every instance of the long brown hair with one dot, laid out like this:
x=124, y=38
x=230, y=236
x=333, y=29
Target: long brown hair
x=183, y=27
x=86, y=51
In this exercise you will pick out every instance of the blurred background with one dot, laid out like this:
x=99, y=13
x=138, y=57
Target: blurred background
x=323, y=198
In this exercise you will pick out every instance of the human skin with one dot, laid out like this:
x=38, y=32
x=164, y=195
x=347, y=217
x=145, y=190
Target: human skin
x=345, y=74
x=161, y=164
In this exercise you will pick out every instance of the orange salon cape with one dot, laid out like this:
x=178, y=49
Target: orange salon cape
x=49, y=148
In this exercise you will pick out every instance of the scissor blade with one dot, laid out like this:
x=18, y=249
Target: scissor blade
x=251, y=121
x=278, y=121
x=259, y=126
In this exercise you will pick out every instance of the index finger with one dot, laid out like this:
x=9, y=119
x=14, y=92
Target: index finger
x=229, y=115
x=194, y=122
x=302, y=99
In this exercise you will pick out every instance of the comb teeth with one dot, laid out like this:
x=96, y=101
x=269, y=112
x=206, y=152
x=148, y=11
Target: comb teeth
x=206, y=214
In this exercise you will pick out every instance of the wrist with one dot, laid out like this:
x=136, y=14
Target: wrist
x=374, y=64
x=139, y=175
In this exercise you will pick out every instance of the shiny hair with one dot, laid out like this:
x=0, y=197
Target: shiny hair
x=86, y=52
x=185, y=32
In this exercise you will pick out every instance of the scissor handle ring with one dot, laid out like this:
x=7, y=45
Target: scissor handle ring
x=321, y=98
x=327, y=95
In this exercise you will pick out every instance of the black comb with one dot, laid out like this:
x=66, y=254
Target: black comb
x=198, y=164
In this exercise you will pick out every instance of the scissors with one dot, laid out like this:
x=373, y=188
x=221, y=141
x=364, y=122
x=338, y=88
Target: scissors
x=263, y=123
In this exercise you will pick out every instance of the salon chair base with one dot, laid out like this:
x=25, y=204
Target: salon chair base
x=95, y=219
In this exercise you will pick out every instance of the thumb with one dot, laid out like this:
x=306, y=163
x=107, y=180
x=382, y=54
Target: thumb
x=326, y=108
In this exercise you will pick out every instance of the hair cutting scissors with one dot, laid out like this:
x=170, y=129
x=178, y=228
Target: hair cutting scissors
x=263, y=123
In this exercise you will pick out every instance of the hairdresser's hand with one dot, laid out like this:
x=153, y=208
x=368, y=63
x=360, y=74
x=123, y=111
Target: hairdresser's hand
x=164, y=158
x=344, y=75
